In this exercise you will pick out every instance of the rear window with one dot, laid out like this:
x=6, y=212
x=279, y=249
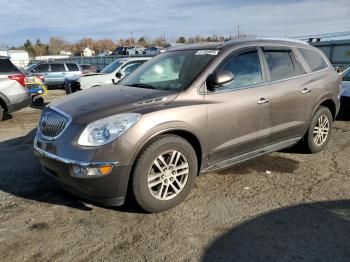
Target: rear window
x=41, y=68
x=315, y=61
x=6, y=66
x=57, y=68
x=72, y=67
x=282, y=64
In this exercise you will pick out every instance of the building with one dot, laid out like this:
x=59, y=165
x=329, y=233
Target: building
x=87, y=52
x=19, y=58
x=337, y=51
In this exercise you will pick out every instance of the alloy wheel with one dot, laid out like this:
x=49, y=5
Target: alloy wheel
x=321, y=130
x=168, y=175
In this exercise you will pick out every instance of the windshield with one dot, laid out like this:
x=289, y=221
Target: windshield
x=112, y=66
x=346, y=76
x=171, y=70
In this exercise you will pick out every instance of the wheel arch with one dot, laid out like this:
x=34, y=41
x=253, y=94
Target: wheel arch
x=330, y=104
x=186, y=134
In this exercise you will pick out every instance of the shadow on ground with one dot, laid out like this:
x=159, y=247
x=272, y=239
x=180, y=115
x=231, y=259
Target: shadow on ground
x=309, y=232
x=21, y=175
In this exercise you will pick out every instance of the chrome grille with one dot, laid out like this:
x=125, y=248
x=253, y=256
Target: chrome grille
x=52, y=124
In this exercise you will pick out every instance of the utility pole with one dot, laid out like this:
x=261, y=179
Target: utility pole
x=238, y=30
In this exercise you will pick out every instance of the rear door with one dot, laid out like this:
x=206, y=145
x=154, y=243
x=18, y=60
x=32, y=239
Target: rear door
x=239, y=114
x=57, y=74
x=292, y=99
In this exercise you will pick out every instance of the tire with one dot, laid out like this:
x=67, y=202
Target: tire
x=38, y=101
x=310, y=140
x=1, y=113
x=165, y=146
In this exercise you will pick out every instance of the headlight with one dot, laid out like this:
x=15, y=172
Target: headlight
x=107, y=129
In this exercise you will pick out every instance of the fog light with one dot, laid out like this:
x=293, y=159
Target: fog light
x=80, y=171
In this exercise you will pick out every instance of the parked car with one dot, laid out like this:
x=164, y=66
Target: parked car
x=55, y=72
x=112, y=73
x=345, y=95
x=87, y=68
x=121, y=50
x=152, y=51
x=14, y=94
x=190, y=110
x=135, y=50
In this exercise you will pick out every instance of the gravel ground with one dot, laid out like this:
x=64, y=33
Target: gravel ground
x=285, y=206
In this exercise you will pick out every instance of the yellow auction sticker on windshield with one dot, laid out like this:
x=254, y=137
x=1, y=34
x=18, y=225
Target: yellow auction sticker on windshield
x=207, y=52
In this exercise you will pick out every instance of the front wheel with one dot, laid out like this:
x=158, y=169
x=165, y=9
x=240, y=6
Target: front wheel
x=320, y=130
x=164, y=173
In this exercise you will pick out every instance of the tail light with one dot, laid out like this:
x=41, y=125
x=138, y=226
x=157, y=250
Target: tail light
x=19, y=78
x=41, y=77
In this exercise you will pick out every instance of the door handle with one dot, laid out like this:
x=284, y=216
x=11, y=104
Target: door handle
x=263, y=101
x=305, y=91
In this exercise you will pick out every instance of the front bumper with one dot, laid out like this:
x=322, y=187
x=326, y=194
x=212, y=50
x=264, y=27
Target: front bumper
x=11, y=107
x=109, y=190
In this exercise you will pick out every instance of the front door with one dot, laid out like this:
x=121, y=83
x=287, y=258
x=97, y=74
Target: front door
x=239, y=113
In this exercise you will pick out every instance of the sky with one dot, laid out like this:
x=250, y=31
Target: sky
x=115, y=19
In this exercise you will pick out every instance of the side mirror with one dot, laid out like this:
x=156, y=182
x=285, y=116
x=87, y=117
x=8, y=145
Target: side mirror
x=219, y=78
x=119, y=74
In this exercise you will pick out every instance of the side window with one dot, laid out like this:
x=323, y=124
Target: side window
x=245, y=68
x=6, y=66
x=41, y=68
x=282, y=64
x=130, y=67
x=57, y=68
x=72, y=67
x=315, y=61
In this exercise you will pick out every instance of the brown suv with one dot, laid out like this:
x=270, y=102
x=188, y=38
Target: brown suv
x=192, y=109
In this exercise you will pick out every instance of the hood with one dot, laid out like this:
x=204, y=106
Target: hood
x=92, y=74
x=98, y=102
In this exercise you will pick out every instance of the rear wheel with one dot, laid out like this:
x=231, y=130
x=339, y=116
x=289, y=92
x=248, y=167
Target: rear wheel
x=164, y=173
x=319, y=131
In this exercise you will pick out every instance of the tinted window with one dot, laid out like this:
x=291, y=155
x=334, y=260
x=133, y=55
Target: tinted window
x=72, y=67
x=6, y=66
x=57, y=68
x=314, y=59
x=282, y=64
x=41, y=68
x=245, y=68
x=346, y=76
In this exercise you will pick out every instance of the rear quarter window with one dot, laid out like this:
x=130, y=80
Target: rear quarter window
x=6, y=66
x=315, y=61
x=72, y=67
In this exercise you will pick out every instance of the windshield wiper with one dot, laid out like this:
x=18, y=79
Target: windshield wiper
x=143, y=86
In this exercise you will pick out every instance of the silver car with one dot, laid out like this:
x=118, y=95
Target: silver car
x=13, y=92
x=55, y=72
